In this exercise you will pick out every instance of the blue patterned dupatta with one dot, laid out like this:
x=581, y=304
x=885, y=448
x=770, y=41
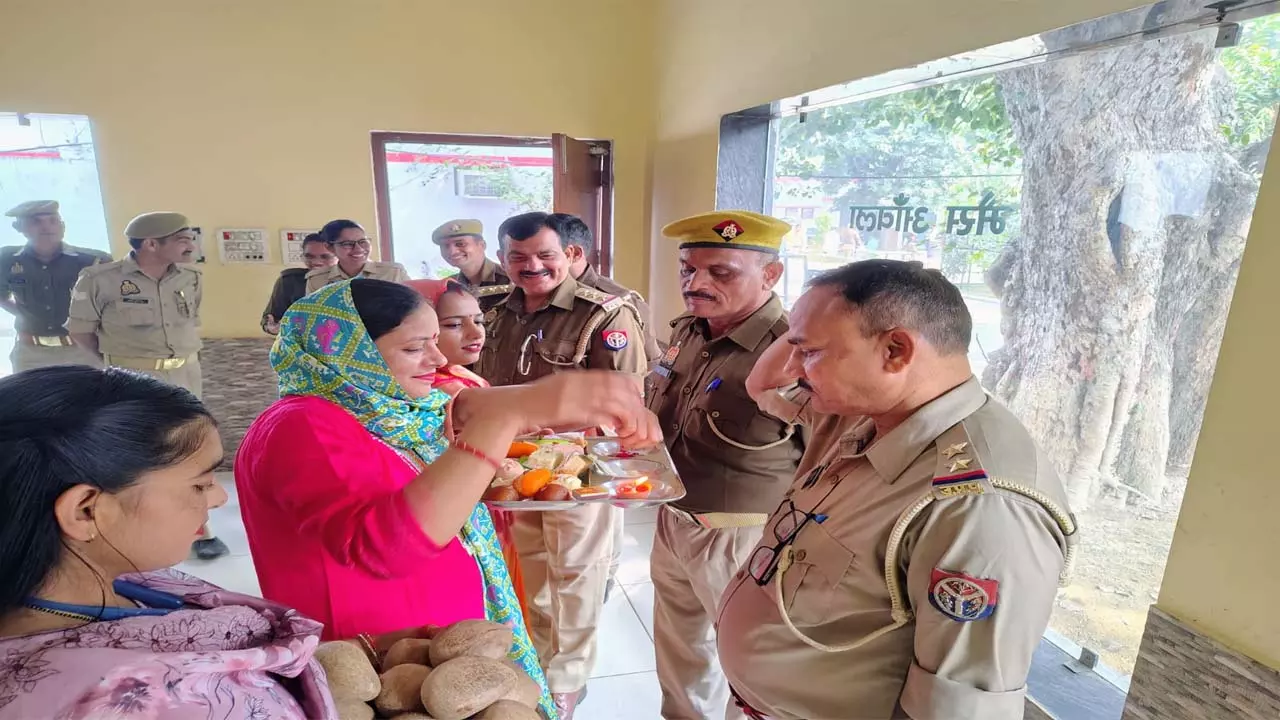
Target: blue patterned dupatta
x=323, y=350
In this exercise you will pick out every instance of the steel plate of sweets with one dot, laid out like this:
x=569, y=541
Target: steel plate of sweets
x=558, y=472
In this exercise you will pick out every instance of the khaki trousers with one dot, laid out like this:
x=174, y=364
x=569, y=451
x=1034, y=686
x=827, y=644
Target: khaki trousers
x=26, y=356
x=564, y=557
x=691, y=566
x=188, y=376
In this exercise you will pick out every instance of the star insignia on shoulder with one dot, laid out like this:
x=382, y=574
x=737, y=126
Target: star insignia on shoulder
x=954, y=450
x=959, y=464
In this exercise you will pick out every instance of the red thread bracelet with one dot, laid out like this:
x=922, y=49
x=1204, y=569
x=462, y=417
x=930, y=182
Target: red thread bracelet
x=464, y=447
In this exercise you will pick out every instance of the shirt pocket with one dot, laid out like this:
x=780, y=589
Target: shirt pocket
x=731, y=417
x=133, y=314
x=551, y=356
x=811, y=585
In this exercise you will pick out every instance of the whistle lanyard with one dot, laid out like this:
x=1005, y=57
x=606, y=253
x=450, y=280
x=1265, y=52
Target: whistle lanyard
x=524, y=364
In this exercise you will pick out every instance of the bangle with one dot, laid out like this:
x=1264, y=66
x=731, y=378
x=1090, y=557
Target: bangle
x=464, y=447
x=366, y=643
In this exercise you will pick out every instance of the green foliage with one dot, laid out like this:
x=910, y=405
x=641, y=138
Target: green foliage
x=1254, y=68
x=526, y=189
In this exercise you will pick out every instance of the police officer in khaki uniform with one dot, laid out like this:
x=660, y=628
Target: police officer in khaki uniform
x=143, y=312
x=462, y=245
x=549, y=323
x=735, y=460
x=351, y=244
x=911, y=572
x=35, y=287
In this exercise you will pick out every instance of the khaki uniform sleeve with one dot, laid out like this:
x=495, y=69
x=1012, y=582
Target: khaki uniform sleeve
x=976, y=669
x=274, y=302
x=630, y=359
x=85, y=315
x=401, y=275
x=791, y=406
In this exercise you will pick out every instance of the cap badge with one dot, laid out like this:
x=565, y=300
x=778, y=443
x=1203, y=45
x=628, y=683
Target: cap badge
x=728, y=230
x=455, y=228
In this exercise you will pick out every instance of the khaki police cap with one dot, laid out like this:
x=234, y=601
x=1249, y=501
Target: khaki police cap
x=32, y=208
x=457, y=228
x=738, y=229
x=156, y=225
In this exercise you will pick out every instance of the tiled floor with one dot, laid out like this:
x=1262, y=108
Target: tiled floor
x=624, y=686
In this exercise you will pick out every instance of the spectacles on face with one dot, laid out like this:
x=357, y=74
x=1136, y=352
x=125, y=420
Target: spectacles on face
x=363, y=244
x=763, y=564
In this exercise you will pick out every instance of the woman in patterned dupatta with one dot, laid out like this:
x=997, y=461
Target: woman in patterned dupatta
x=359, y=509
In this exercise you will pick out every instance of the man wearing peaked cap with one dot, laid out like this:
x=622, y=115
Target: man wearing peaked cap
x=143, y=312
x=35, y=286
x=735, y=460
x=462, y=245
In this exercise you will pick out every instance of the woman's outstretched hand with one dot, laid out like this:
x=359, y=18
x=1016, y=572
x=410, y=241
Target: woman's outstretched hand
x=591, y=398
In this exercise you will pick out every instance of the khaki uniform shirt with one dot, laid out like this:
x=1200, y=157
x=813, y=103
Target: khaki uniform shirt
x=493, y=288
x=978, y=568
x=732, y=457
x=136, y=316
x=580, y=327
x=42, y=290
x=391, y=272
x=591, y=278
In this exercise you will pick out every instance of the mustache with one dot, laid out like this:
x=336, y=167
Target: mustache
x=534, y=274
x=701, y=296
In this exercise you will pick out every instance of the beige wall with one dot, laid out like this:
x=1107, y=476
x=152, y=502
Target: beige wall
x=257, y=113
x=718, y=56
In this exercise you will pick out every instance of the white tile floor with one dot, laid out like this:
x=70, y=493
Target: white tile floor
x=624, y=685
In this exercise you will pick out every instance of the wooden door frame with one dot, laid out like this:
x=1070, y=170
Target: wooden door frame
x=382, y=191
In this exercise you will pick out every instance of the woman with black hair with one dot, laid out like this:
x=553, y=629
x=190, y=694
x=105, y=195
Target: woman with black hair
x=105, y=478
x=351, y=244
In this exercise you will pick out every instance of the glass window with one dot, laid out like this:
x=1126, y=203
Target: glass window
x=1093, y=206
x=429, y=184
x=49, y=157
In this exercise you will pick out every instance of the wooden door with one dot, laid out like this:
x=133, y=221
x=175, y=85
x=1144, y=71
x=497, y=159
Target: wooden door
x=583, y=186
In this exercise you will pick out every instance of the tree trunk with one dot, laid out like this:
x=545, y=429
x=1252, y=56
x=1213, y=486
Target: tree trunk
x=1133, y=218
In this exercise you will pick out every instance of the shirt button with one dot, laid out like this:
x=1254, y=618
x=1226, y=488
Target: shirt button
x=675, y=427
x=686, y=390
x=715, y=413
x=706, y=354
x=800, y=555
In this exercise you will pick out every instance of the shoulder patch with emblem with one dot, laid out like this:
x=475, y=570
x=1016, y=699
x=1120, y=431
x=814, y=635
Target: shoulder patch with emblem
x=961, y=597
x=614, y=339
x=128, y=288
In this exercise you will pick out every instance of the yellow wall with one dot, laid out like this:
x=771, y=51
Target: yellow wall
x=1221, y=577
x=257, y=113
x=718, y=56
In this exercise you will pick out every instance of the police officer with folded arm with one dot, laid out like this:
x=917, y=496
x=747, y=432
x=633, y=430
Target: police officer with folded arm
x=462, y=245
x=735, y=460
x=35, y=286
x=548, y=324
x=911, y=570
x=142, y=313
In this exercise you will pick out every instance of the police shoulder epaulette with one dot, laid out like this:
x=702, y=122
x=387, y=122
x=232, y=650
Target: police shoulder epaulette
x=598, y=297
x=9, y=251
x=491, y=290
x=98, y=268
x=191, y=267
x=959, y=470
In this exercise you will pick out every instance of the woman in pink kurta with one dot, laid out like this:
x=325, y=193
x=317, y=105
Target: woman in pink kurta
x=331, y=531
x=105, y=477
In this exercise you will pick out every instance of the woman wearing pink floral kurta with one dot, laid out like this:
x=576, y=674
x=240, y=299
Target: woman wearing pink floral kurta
x=105, y=478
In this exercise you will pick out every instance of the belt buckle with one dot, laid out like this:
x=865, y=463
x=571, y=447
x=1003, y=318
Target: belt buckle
x=171, y=363
x=48, y=340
